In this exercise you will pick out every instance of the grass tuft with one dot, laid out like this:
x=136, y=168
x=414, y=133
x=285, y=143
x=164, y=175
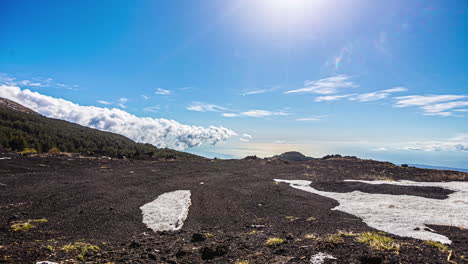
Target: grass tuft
x=21, y=226
x=310, y=219
x=82, y=248
x=292, y=218
x=310, y=236
x=274, y=241
x=378, y=242
x=438, y=245
x=242, y=262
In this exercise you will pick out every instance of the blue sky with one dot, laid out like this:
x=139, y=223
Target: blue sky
x=377, y=79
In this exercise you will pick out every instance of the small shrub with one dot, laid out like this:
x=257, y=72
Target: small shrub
x=404, y=165
x=242, y=262
x=310, y=219
x=42, y=220
x=310, y=236
x=54, y=151
x=274, y=241
x=28, y=151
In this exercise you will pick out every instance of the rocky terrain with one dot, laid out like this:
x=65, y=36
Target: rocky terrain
x=87, y=209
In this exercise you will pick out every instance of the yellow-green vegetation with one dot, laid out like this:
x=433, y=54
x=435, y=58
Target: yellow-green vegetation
x=49, y=247
x=438, y=245
x=242, y=262
x=378, y=242
x=208, y=235
x=385, y=179
x=253, y=232
x=42, y=220
x=27, y=151
x=54, y=151
x=21, y=226
x=292, y=218
x=338, y=237
x=310, y=236
x=310, y=219
x=82, y=248
x=335, y=238
x=273, y=241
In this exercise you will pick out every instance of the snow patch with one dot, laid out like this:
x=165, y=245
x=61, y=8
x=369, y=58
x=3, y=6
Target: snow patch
x=320, y=258
x=168, y=212
x=402, y=215
x=5, y=158
x=46, y=262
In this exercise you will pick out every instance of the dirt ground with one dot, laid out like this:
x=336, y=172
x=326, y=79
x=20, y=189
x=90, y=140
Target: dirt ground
x=88, y=211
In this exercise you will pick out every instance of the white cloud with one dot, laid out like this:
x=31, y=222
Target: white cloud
x=262, y=113
x=35, y=82
x=247, y=136
x=422, y=100
x=162, y=91
x=159, y=132
x=331, y=97
x=436, y=108
x=280, y=142
x=104, y=102
x=244, y=140
x=230, y=115
x=260, y=91
x=380, y=149
x=328, y=85
x=379, y=95
x=460, y=110
x=457, y=143
x=255, y=92
x=202, y=107
x=434, y=105
x=144, y=97
x=123, y=100
x=122, y=106
x=314, y=118
x=151, y=109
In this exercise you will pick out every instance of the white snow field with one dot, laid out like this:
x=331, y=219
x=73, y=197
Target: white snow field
x=402, y=215
x=168, y=212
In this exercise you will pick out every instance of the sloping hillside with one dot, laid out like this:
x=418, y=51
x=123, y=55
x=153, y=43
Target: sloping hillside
x=22, y=128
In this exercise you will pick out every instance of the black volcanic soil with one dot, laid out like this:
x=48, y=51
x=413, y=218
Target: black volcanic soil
x=235, y=208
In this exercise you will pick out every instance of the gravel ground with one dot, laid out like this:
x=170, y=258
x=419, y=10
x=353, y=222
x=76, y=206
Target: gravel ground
x=236, y=207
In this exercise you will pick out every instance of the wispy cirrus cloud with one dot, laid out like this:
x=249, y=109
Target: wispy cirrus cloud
x=364, y=97
x=104, y=102
x=331, y=97
x=312, y=118
x=379, y=95
x=263, y=113
x=152, y=109
x=434, y=105
x=328, y=85
x=203, y=107
x=159, y=132
x=162, y=91
x=260, y=91
x=36, y=82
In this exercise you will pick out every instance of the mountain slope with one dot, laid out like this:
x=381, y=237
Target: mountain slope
x=21, y=128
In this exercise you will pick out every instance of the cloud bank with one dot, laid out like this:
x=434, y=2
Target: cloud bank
x=159, y=132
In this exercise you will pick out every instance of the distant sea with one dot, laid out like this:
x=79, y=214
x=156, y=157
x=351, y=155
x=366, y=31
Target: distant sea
x=437, y=167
